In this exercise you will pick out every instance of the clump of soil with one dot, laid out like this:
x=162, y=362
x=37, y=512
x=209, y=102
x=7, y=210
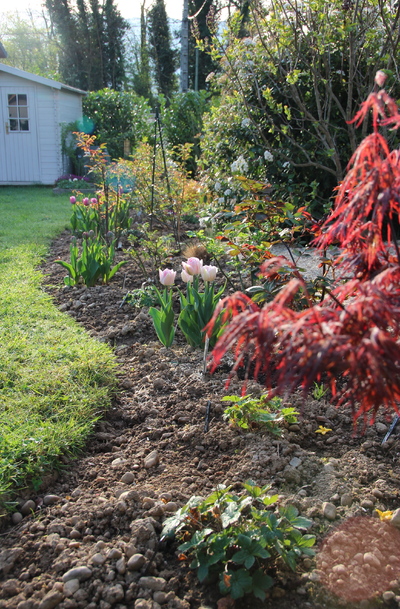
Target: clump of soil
x=89, y=538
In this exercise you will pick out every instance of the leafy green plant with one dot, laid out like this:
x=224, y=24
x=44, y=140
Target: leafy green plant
x=239, y=538
x=145, y=296
x=163, y=318
x=110, y=209
x=319, y=391
x=248, y=412
x=92, y=263
x=118, y=116
x=163, y=191
x=149, y=249
x=197, y=309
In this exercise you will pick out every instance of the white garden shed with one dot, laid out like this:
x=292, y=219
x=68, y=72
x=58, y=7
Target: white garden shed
x=32, y=109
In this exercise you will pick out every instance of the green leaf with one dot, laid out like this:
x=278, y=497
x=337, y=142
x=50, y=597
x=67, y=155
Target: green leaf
x=261, y=582
x=236, y=583
x=230, y=515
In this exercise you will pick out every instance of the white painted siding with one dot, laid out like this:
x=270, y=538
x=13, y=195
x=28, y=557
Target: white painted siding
x=53, y=106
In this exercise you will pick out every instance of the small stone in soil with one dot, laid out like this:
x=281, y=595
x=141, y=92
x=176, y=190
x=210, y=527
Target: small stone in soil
x=329, y=510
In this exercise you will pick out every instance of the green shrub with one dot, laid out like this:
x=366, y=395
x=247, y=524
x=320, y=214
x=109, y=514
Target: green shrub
x=118, y=116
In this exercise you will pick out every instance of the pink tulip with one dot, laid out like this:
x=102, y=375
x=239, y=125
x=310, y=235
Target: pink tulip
x=209, y=273
x=85, y=201
x=167, y=277
x=193, y=266
x=380, y=78
x=186, y=277
x=72, y=200
x=93, y=201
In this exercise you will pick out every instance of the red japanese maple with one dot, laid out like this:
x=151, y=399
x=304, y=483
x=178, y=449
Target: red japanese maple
x=352, y=337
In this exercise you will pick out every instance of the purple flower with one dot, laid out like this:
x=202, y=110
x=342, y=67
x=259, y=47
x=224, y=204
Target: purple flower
x=72, y=200
x=85, y=201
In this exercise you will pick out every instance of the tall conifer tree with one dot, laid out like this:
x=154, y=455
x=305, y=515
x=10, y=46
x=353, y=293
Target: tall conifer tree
x=161, y=51
x=91, y=42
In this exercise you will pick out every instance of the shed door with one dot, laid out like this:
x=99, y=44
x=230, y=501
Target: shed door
x=19, y=161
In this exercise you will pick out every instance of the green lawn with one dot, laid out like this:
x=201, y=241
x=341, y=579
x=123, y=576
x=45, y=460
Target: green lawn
x=54, y=379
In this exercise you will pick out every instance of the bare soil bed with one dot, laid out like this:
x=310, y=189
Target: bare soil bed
x=108, y=506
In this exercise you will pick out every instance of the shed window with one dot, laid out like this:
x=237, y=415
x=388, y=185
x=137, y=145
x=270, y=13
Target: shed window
x=18, y=112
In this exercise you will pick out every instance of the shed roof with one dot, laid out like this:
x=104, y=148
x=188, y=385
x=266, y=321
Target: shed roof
x=39, y=79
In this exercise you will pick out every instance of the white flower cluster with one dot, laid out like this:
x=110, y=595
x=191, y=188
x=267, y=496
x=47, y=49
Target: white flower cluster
x=286, y=164
x=268, y=156
x=240, y=165
x=246, y=122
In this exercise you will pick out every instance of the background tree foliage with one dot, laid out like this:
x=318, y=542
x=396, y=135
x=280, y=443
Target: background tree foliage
x=90, y=38
x=30, y=43
x=288, y=90
x=204, y=25
x=160, y=48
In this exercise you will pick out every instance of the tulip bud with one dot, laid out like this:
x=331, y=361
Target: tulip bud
x=93, y=201
x=209, y=273
x=380, y=78
x=193, y=266
x=186, y=277
x=85, y=201
x=167, y=277
x=91, y=234
x=72, y=200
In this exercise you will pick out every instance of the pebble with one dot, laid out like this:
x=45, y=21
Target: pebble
x=118, y=462
x=10, y=587
x=159, y=384
x=135, y=562
x=114, y=554
x=171, y=506
x=152, y=459
x=346, y=500
x=388, y=596
x=329, y=510
x=51, y=499
x=128, y=478
x=98, y=559
x=371, y=559
x=113, y=594
x=71, y=586
x=80, y=573
x=153, y=583
x=120, y=565
x=395, y=519
x=377, y=493
x=332, y=439
x=16, y=517
x=51, y=600
x=28, y=507
x=160, y=597
x=381, y=427
x=142, y=603
x=295, y=462
x=367, y=504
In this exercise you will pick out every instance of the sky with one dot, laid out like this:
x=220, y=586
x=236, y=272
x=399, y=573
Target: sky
x=129, y=8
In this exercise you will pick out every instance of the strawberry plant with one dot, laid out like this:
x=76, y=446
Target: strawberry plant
x=248, y=412
x=351, y=338
x=240, y=538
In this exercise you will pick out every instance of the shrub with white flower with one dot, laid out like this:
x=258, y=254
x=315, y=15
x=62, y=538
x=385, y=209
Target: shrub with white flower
x=246, y=122
x=240, y=165
x=268, y=156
